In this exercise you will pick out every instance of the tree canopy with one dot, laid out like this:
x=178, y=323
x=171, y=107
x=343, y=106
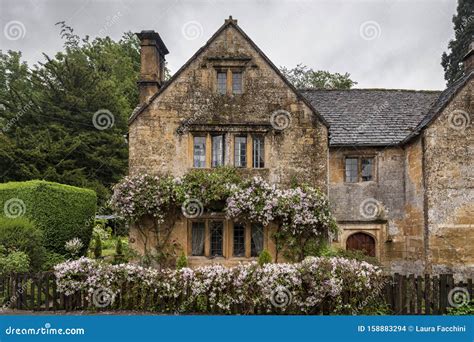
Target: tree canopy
x=65, y=119
x=463, y=22
x=303, y=77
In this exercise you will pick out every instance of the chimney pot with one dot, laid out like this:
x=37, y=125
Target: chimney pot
x=152, y=63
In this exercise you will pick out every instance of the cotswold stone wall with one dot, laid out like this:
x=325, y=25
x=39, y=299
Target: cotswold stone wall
x=160, y=138
x=298, y=152
x=449, y=172
x=396, y=194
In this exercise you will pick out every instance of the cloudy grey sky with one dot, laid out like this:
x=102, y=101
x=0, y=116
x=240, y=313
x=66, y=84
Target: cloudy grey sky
x=381, y=43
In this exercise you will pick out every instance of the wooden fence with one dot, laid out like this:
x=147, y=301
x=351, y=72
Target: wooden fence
x=405, y=295
x=423, y=295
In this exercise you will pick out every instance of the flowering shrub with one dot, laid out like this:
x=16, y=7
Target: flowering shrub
x=337, y=284
x=301, y=210
x=255, y=201
x=74, y=246
x=138, y=196
x=302, y=213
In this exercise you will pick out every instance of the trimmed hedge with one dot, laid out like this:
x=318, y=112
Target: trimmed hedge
x=20, y=235
x=61, y=211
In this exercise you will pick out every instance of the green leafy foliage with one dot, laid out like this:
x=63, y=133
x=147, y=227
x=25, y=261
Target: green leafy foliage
x=97, y=247
x=182, y=262
x=264, y=258
x=119, y=257
x=51, y=260
x=463, y=22
x=61, y=212
x=210, y=188
x=462, y=310
x=20, y=235
x=303, y=77
x=13, y=262
x=48, y=127
x=330, y=251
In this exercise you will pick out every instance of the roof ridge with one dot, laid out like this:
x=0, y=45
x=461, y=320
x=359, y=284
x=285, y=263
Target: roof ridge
x=374, y=89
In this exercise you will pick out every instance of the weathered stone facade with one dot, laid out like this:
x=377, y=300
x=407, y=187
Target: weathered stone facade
x=422, y=185
x=449, y=182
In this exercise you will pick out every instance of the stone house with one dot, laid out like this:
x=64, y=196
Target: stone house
x=397, y=164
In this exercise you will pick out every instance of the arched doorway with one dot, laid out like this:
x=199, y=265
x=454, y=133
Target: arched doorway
x=361, y=242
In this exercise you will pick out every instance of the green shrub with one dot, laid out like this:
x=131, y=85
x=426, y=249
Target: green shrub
x=182, y=262
x=326, y=250
x=97, y=247
x=15, y=262
x=264, y=258
x=51, y=260
x=62, y=212
x=119, y=256
x=462, y=310
x=20, y=235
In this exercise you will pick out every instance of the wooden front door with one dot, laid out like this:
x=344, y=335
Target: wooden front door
x=361, y=242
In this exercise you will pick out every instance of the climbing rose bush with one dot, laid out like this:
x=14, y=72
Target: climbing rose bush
x=300, y=288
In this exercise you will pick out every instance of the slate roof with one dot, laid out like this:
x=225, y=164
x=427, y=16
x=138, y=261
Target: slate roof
x=441, y=102
x=371, y=117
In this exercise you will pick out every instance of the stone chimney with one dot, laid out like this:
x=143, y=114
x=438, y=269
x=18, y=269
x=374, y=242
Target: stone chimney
x=152, y=64
x=468, y=59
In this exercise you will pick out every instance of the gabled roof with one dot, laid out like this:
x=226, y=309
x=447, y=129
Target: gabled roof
x=371, y=117
x=228, y=22
x=441, y=102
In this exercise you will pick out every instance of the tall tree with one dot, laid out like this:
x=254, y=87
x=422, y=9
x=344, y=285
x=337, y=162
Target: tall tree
x=65, y=120
x=463, y=22
x=303, y=77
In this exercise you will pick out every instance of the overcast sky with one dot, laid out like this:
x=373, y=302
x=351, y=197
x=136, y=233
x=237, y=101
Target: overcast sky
x=381, y=43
